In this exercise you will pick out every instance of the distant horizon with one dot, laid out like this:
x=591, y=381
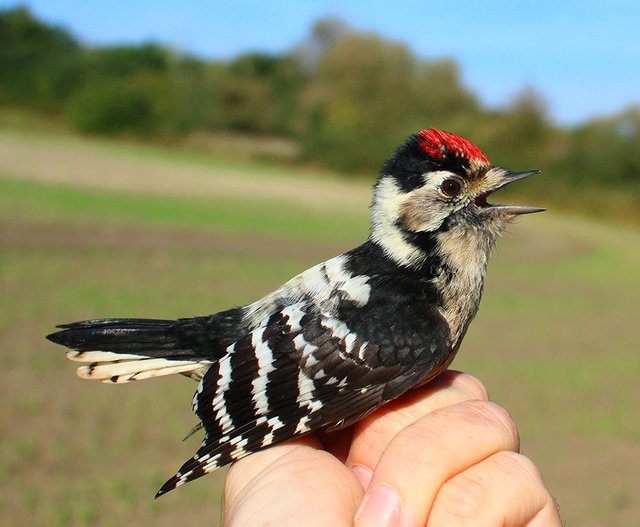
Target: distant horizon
x=583, y=60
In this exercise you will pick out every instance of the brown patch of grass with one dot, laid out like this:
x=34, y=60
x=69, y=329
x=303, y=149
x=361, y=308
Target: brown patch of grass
x=116, y=167
x=85, y=236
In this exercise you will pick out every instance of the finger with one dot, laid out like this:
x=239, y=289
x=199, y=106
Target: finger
x=421, y=457
x=372, y=435
x=504, y=489
x=290, y=485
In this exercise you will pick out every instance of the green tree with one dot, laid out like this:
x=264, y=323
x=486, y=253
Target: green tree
x=39, y=64
x=181, y=98
x=520, y=135
x=258, y=93
x=366, y=91
x=606, y=152
x=126, y=61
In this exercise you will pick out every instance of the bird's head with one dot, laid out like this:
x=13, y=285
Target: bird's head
x=438, y=182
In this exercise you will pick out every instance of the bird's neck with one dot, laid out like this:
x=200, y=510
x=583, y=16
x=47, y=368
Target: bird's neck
x=453, y=258
x=463, y=254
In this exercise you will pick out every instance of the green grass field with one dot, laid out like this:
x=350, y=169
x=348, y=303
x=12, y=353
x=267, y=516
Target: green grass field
x=91, y=229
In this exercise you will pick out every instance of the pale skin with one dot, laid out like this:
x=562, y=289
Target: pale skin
x=442, y=455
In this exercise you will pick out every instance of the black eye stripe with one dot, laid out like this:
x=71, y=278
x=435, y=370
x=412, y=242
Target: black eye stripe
x=411, y=181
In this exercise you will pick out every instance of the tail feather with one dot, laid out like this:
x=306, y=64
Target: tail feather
x=135, y=335
x=117, y=322
x=125, y=350
x=96, y=356
x=117, y=372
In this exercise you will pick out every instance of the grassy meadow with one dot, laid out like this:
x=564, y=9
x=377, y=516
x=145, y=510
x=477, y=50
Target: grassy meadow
x=92, y=228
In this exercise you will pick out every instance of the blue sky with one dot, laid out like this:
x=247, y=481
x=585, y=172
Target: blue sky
x=582, y=56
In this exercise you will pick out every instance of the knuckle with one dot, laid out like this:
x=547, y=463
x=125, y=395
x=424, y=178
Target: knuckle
x=513, y=463
x=463, y=498
x=475, y=414
x=497, y=416
x=523, y=475
x=472, y=386
x=506, y=485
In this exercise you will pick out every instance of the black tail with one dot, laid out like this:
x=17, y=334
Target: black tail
x=129, y=349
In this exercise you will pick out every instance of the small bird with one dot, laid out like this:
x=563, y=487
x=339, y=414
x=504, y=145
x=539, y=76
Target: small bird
x=342, y=338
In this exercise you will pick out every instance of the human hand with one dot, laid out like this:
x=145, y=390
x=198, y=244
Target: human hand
x=440, y=455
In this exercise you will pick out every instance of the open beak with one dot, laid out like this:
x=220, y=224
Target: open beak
x=498, y=178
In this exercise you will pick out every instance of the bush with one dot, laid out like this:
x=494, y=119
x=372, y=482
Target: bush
x=110, y=106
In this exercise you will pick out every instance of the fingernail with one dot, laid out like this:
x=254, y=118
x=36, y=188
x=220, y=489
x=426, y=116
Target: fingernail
x=363, y=475
x=379, y=508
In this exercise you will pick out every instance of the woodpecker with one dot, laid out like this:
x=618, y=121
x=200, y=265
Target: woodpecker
x=342, y=338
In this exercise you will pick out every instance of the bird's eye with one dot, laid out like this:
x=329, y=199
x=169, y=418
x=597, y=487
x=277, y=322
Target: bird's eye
x=451, y=187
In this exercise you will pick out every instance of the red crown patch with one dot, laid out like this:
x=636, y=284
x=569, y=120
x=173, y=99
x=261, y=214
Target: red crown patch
x=439, y=144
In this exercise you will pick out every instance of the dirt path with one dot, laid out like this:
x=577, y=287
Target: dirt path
x=108, y=166
x=71, y=237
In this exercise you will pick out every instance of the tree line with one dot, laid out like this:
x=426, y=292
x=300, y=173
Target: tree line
x=345, y=97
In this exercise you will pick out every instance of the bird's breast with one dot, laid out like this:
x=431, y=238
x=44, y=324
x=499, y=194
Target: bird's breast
x=464, y=254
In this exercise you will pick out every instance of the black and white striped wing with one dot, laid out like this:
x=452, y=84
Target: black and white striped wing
x=300, y=371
